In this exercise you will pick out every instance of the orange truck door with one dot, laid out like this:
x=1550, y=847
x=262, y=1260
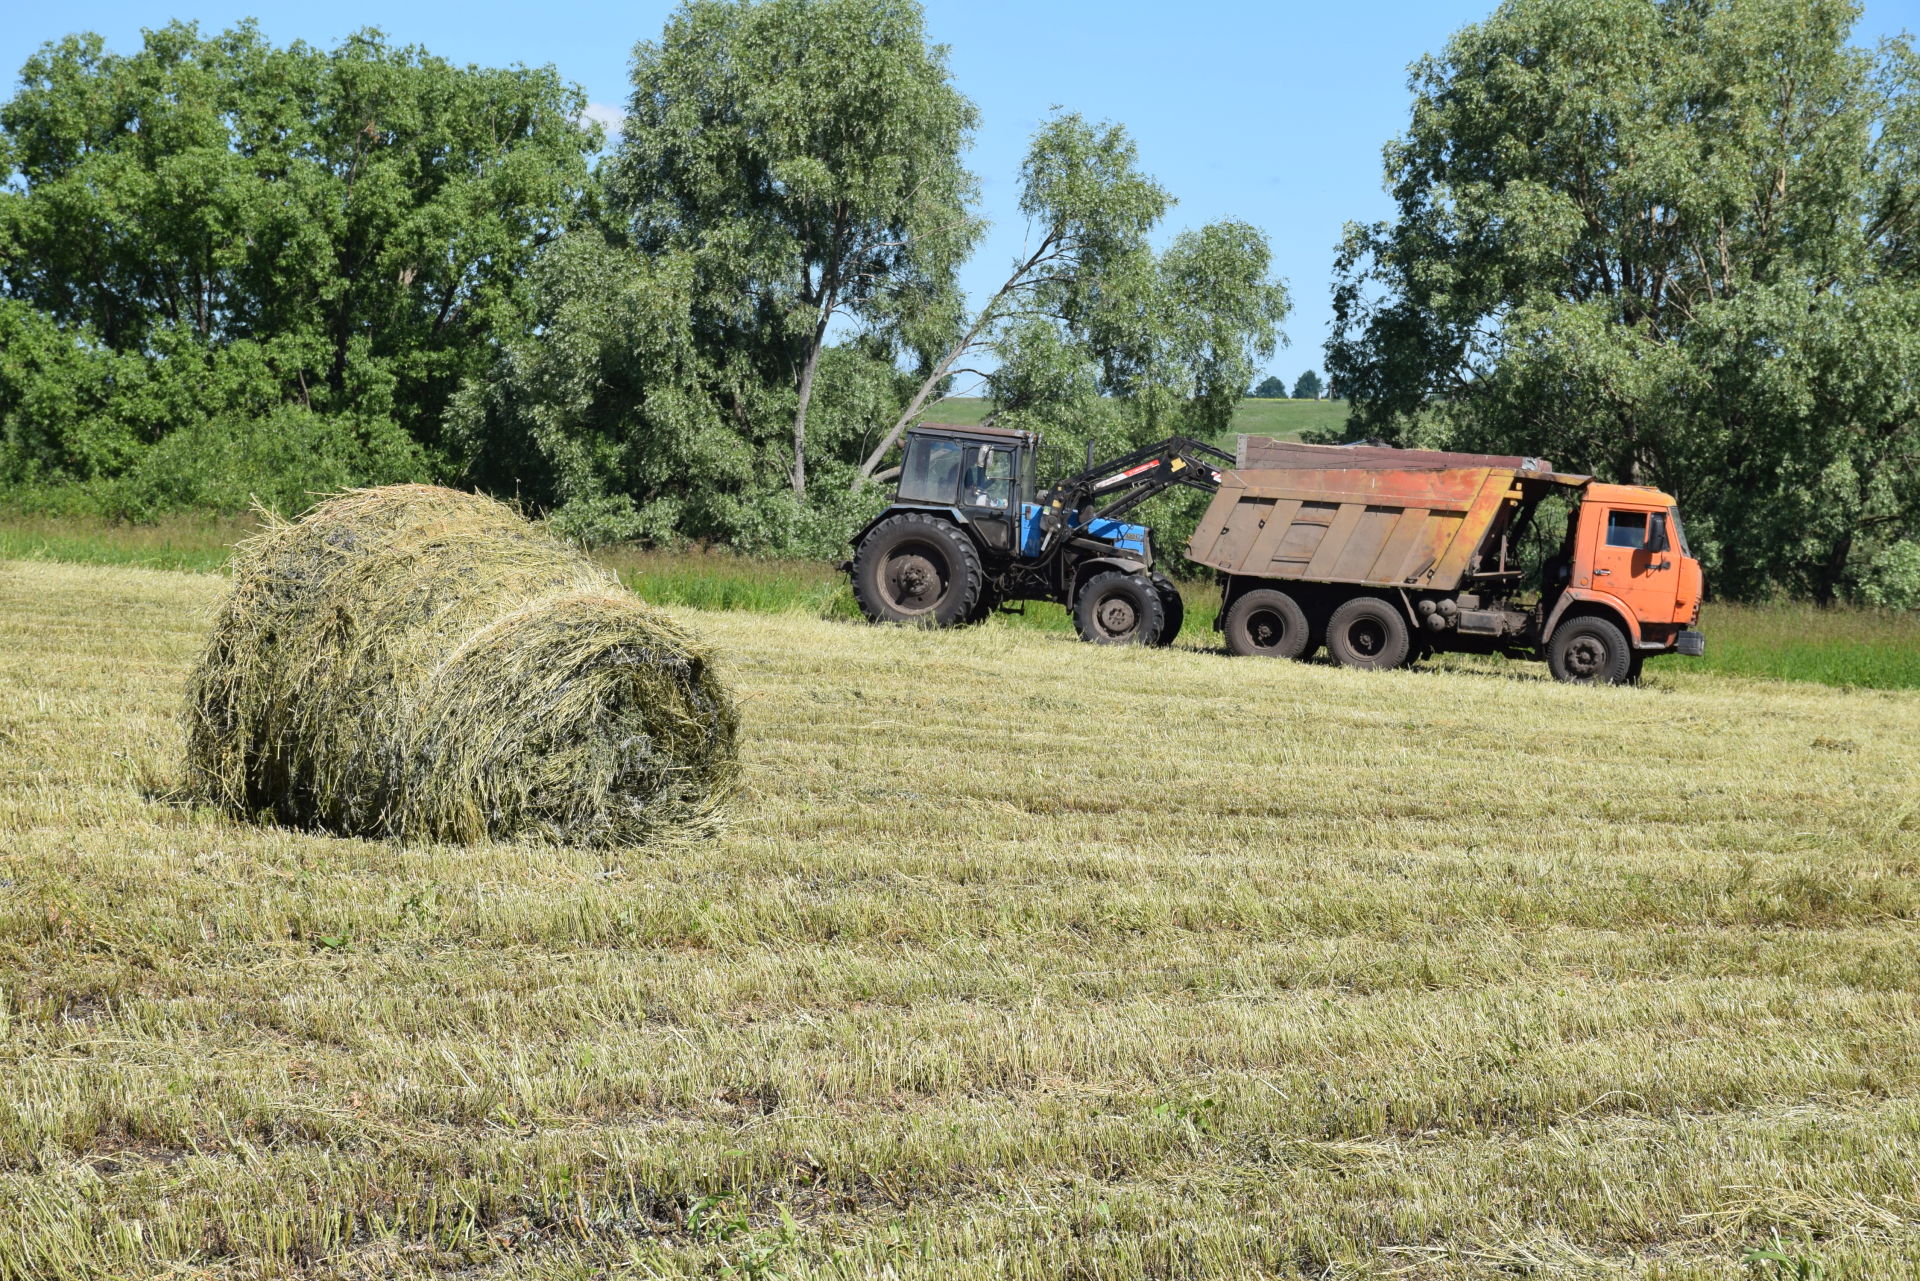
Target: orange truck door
x=1646, y=581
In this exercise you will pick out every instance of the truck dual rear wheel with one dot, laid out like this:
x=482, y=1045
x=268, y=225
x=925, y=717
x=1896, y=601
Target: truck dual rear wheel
x=1370, y=634
x=1590, y=651
x=1118, y=608
x=1265, y=623
x=917, y=569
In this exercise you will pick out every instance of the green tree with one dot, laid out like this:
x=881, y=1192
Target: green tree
x=244, y=226
x=1089, y=209
x=1093, y=333
x=616, y=415
x=1307, y=387
x=804, y=155
x=1270, y=388
x=1671, y=243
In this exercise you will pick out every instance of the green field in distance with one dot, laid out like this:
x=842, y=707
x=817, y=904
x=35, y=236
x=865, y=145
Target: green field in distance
x=1280, y=419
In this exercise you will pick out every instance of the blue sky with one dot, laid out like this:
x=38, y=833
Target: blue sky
x=1274, y=113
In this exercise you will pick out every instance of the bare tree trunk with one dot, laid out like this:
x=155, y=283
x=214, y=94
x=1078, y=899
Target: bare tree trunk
x=800, y=423
x=806, y=397
x=952, y=358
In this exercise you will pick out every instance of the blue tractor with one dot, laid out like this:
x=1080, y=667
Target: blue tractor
x=969, y=531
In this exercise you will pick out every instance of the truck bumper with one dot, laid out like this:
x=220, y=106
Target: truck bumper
x=1691, y=643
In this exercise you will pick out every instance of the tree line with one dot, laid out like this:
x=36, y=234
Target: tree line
x=1668, y=242
x=1306, y=387
x=229, y=268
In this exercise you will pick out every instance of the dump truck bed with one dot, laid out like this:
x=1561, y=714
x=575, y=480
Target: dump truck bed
x=1368, y=516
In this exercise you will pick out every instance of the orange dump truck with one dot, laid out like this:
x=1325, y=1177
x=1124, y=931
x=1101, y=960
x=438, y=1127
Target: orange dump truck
x=1385, y=555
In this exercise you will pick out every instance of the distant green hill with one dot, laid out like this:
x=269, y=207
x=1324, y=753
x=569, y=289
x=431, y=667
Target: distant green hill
x=1280, y=419
x=1286, y=419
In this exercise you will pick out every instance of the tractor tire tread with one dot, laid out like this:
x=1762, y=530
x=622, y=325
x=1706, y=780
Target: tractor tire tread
x=1148, y=610
x=1173, y=610
x=960, y=607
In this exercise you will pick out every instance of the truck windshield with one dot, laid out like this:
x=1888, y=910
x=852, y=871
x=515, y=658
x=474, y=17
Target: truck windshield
x=931, y=473
x=1679, y=533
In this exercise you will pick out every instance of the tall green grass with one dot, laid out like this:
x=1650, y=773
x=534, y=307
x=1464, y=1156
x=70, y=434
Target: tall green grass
x=198, y=544
x=1871, y=649
x=1844, y=647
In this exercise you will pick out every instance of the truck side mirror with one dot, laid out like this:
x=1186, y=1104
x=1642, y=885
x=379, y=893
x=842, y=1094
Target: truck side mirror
x=1657, y=533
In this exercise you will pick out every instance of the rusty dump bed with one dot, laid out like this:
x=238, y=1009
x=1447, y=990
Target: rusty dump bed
x=1366, y=515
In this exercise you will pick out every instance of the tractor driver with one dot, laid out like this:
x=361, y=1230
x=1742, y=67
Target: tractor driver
x=989, y=482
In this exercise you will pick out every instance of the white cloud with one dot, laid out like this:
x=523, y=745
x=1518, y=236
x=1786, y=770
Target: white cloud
x=611, y=117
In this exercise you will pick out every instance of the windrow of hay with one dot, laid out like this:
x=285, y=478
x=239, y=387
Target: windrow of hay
x=421, y=663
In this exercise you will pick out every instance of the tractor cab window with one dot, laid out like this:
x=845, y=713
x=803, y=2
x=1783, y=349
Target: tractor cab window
x=931, y=473
x=1627, y=529
x=989, y=479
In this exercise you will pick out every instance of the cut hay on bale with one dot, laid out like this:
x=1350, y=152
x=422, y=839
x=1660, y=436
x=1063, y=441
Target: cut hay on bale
x=420, y=663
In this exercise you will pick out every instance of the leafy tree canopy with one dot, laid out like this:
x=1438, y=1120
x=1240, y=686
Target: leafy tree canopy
x=1098, y=337
x=1270, y=388
x=1669, y=242
x=805, y=156
x=1307, y=387
x=351, y=225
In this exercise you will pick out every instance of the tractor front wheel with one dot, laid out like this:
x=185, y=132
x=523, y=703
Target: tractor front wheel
x=1119, y=608
x=914, y=568
x=1172, y=608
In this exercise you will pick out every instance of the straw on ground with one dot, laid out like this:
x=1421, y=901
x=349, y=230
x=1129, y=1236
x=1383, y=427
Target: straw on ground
x=1024, y=959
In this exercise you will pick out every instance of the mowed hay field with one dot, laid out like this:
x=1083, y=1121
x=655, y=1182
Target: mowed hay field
x=1021, y=959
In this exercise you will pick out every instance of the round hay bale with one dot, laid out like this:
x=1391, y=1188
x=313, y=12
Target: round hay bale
x=420, y=663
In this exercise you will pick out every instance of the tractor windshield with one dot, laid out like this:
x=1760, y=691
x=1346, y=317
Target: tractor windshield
x=931, y=473
x=990, y=478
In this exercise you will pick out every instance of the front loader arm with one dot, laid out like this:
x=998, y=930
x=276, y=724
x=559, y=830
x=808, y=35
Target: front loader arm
x=1133, y=478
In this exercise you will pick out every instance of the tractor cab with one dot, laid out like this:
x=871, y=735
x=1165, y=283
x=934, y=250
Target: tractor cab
x=983, y=476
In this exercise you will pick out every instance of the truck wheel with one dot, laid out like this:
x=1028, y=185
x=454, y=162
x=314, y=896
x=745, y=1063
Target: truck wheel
x=1173, y=610
x=1118, y=608
x=1368, y=633
x=917, y=569
x=1589, y=651
x=1265, y=623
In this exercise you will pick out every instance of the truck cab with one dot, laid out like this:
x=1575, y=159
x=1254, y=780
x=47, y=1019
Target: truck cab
x=1628, y=555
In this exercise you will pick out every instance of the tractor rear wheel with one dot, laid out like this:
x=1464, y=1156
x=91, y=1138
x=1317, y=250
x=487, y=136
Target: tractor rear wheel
x=1370, y=634
x=1265, y=623
x=913, y=568
x=1172, y=608
x=1119, y=608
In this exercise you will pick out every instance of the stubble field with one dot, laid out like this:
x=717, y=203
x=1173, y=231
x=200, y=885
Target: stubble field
x=1022, y=959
